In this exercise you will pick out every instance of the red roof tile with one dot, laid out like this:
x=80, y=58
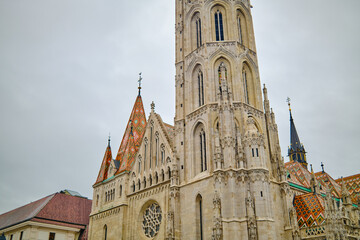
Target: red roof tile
x=57, y=208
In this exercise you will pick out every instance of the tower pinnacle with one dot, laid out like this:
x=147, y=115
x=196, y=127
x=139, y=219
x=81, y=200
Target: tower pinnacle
x=296, y=151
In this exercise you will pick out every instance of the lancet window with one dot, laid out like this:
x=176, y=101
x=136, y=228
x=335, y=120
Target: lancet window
x=245, y=82
x=162, y=153
x=219, y=28
x=201, y=88
x=198, y=33
x=240, y=29
x=105, y=232
x=157, y=149
x=199, y=217
x=203, y=161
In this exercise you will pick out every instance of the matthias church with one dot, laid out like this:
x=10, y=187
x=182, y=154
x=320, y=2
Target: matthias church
x=217, y=172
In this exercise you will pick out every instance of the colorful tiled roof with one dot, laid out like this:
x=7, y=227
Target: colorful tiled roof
x=310, y=210
x=133, y=136
x=105, y=165
x=298, y=174
x=327, y=181
x=352, y=183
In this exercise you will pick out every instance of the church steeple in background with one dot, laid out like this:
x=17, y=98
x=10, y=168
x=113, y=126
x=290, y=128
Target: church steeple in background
x=296, y=151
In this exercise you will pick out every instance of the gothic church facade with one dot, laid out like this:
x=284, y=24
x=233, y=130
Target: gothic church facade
x=217, y=173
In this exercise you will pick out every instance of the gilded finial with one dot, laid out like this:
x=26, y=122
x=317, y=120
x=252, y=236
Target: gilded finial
x=322, y=166
x=139, y=81
x=109, y=139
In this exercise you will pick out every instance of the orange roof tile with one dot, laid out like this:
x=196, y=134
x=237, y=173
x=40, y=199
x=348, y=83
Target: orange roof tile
x=310, y=210
x=133, y=136
x=352, y=184
x=105, y=165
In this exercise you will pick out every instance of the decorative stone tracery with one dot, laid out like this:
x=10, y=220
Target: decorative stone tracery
x=151, y=220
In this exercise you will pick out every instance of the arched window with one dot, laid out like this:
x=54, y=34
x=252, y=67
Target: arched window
x=120, y=190
x=97, y=200
x=201, y=88
x=198, y=33
x=106, y=197
x=156, y=178
x=139, y=184
x=145, y=152
x=150, y=180
x=105, y=232
x=245, y=82
x=157, y=149
x=162, y=175
x=240, y=29
x=151, y=140
x=139, y=164
x=162, y=153
x=199, y=218
x=222, y=74
x=133, y=186
x=203, y=160
x=169, y=173
x=144, y=182
x=219, y=28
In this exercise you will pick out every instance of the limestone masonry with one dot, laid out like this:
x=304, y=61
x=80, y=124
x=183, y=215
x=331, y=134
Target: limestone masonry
x=218, y=172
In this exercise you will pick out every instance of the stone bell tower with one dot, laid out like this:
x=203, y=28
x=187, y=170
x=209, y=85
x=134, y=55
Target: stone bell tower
x=231, y=182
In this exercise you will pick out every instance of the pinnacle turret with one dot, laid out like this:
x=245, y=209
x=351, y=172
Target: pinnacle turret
x=296, y=151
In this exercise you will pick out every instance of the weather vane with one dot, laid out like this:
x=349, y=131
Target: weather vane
x=139, y=81
x=288, y=100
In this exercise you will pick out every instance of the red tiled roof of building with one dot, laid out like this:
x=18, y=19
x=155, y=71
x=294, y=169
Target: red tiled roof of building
x=23, y=213
x=105, y=165
x=68, y=209
x=57, y=209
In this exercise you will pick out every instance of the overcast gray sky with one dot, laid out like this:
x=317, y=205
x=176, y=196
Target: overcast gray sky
x=69, y=69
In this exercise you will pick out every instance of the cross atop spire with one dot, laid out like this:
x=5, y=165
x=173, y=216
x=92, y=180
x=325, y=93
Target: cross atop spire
x=139, y=81
x=322, y=166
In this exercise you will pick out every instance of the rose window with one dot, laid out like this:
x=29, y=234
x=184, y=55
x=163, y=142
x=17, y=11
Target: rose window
x=152, y=220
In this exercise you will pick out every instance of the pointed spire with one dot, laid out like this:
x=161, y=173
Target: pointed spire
x=296, y=151
x=105, y=164
x=152, y=106
x=133, y=136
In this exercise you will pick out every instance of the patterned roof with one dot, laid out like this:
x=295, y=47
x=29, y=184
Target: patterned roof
x=133, y=136
x=297, y=174
x=326, y=180
x=105, y=165
x=352, y=183
x=310, y=210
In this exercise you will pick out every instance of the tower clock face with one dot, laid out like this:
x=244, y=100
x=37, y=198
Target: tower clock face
x=151, y=220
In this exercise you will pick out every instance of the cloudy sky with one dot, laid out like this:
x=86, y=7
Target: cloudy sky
x=69, y=69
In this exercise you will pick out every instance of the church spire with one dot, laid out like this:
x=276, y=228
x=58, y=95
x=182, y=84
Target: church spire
x=105, y=164
x=296, y=151
x=133, y=135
